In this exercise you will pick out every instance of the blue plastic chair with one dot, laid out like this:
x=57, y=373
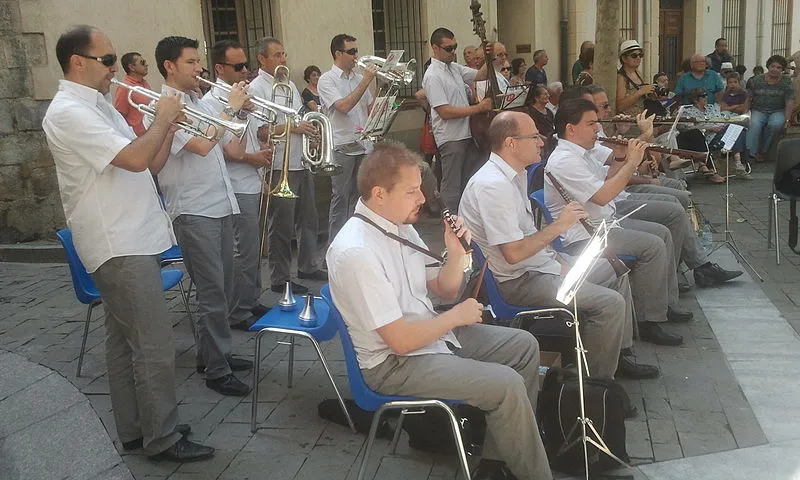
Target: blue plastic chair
x=287, y=323
x=86, y=291
x=371, y=401
x=171, y=256
x=538, y=197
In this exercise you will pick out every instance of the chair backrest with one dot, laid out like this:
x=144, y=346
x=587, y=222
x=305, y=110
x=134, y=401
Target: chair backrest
x=500, y=307
x=82, y=282
x=538, y=197
x=784, y=150
x=362, y=394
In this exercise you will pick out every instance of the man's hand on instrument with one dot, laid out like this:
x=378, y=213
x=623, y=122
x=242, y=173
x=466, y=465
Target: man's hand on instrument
x=485, y=105
x=305, y=128
x=451, y=241
x=249, y=106
x=468, y=312
x=262, y=158
x=572, y=213
x=238, y=96
x=369, y=73
x=170, y=108
x=636, y=150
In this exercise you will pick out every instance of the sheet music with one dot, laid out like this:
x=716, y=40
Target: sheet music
x=731, y=135
x=513, y=97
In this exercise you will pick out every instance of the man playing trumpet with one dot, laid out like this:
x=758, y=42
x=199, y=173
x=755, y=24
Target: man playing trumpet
x=229, y=62
x=201, y=204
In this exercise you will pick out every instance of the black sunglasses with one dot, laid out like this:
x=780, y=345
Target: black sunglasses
x=352, y=51
x=108, y=59
x=450, y=49
x=505, y=69
x=237, y=66
x=636, y=55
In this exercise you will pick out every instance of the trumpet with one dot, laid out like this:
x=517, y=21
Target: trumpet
x=212, y=124
x=400, y=73
x=267, y=111
x=741, y=120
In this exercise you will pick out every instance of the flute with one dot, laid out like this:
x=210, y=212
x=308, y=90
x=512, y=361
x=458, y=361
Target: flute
x=654, y=147
x=618, y=265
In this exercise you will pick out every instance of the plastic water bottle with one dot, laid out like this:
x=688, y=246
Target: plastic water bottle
x=706, y=237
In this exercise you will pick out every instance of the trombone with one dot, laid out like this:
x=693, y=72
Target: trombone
x=212, y=124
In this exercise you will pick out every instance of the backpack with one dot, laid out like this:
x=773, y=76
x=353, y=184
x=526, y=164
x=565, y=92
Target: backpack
x=431, y=431
x=558, y=410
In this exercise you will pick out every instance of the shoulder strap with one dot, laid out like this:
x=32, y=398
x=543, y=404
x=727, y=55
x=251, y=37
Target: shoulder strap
x=400, y=239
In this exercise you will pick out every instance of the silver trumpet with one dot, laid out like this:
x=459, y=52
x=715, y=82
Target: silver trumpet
x=267, y=111
x=401, y=73
x=200, y=124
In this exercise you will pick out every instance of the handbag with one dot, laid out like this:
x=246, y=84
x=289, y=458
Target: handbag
x=427, y=144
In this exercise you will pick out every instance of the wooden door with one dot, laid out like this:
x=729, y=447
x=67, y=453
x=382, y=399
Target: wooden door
x=670, y=43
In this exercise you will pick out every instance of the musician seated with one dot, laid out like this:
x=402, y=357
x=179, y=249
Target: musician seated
x=496, y=209
x=383, y=287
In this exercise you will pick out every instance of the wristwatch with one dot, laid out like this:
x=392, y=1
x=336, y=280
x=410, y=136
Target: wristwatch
x=228, y=110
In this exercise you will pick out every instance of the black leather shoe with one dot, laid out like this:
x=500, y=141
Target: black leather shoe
x=653, y=333
x=712, y=274
x=677, y=315
x=236, y=364
x=492, y=470
x=260, y=310
x=185, y=451
x=228, y=385
x=319, y=275
x=297, y=289
x=628, y=368
x=182, y=428
x=245, y=324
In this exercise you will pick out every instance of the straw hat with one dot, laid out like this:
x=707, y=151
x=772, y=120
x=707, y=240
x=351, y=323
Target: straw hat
x=629, y=46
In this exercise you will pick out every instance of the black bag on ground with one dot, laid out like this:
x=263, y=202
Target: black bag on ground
x=606, y=403
x=330, y=410
x=431, y=432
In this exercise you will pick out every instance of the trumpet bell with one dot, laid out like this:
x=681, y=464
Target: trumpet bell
x=400, y=73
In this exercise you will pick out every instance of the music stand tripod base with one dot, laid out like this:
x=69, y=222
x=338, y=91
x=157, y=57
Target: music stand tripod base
x=729, y=240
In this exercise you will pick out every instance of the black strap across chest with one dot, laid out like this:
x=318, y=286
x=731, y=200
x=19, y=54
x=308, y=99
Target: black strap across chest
x=400, y=239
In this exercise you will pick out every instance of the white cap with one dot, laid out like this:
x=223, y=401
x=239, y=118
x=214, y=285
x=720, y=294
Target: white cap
x=629, y=46
x=726, y=66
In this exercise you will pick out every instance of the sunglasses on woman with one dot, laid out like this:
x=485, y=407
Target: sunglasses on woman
x=636, y=55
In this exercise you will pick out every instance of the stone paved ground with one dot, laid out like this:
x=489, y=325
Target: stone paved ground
x=695, y=407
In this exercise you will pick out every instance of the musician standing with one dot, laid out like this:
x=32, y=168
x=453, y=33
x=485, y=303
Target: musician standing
x=446, y=84
x=346, y=100
x=289, y=215
x=201, y=203
x=382, y=287
x=119, y=228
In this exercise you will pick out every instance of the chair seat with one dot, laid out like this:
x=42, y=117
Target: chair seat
x=173, y=255
x=170, y=277
x=324, y=330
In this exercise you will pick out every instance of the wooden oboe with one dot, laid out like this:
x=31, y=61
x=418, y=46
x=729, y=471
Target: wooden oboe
x=653, y=147
x=618, y=265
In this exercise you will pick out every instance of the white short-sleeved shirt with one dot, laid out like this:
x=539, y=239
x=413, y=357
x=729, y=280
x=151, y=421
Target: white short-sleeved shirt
x=112, y=212
x=333, y=86
x=193, y=184
x=448, y=84
x=376, y=280
x=245, y=178
x=261, y=86
x=600, y=154
x=582, y=176
x=496, y=210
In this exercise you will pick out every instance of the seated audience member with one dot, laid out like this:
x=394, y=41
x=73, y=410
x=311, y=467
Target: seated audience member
x=712, y=132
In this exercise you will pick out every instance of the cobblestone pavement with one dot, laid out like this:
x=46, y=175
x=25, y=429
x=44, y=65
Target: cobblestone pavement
x=696, y=407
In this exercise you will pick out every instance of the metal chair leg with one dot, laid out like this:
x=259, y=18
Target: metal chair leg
x=254, y=390
x=397, y=432
x=770, y=207
x=185, y=297
x=291, y=360
x=775, y=200
x=85, y=335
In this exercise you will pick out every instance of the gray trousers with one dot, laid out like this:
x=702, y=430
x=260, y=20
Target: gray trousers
x=140, y=356
x=288, y=215
x=246, y=259
x=459, y=161
x=605, y=311
x=207, y=245
x=496, y=370
x=667, y=210
x=683, y=196
x=344, y=193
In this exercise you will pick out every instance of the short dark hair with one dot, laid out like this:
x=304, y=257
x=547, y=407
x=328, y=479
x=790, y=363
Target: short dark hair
x=516, y=64
x=594, y=89
x=337, y=43
x=440, y=34
x=659, y=74
x=128, y=59
x=75, y=41
x=309, y=70
x=741, y=70
x=171, y=48
x=584, y=44
x=696, y=93
x=502, y=127
x=381, y=166
x=587, y=57
x=731, y=75
x=572, y=92
x=777, y=59
x=219, y=52
x=571, y=112
x=720, y=39
x=758, y=70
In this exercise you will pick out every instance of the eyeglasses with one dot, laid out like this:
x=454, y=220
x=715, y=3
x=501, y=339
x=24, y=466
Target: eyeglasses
x=237, y=66
x=702, y=95
x=605, y=106
x=536, y=136
x=505, y=69
x=142, y=62
x=352, y=51
x=108, y=59
x=636, y=55
x=450, y=48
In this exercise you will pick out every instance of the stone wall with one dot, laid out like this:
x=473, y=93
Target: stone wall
x=30, y=207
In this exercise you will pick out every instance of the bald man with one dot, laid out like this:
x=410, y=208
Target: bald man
x=701, y=77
